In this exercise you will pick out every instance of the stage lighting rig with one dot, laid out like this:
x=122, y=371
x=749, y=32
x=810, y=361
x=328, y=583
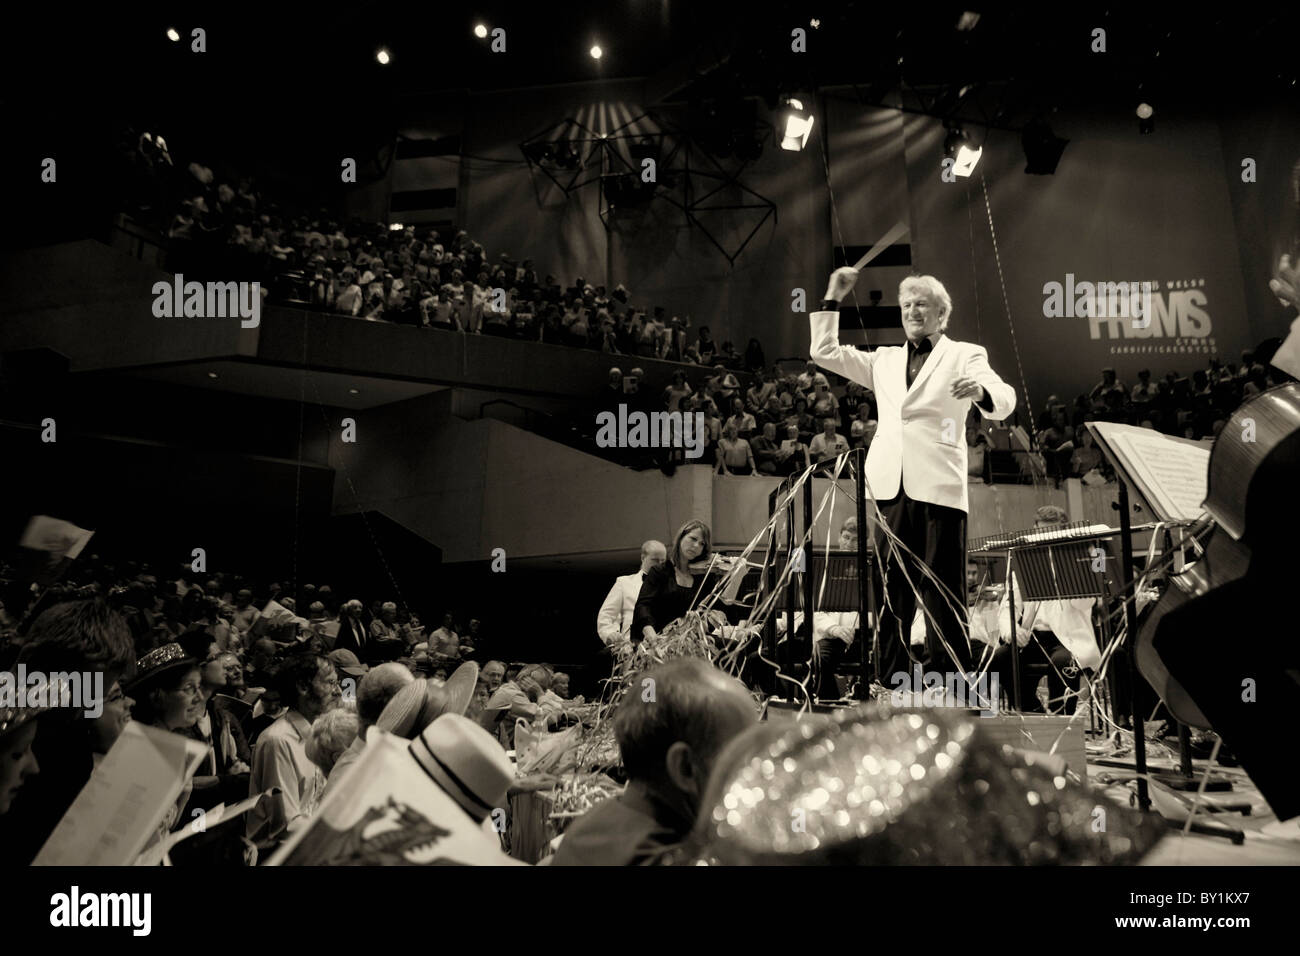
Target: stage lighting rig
x=965, y=156
x=798, y=126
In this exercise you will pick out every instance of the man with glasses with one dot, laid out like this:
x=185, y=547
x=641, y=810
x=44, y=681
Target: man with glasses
x=310, y=686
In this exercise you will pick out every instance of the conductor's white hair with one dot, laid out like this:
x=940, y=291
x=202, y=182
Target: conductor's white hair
x=934, y=290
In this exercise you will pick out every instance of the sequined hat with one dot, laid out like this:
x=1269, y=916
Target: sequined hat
x=17, y=716
x=160, y=660
x=889, y=787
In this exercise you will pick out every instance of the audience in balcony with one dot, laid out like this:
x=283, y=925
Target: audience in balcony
x=741, y=421
x=735, y=457
x=829, y=443
x=370, y=271
x=767, y=452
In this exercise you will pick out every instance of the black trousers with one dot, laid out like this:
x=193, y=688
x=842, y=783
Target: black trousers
x=1044, y=654
x=830, y=652
x=936, y=535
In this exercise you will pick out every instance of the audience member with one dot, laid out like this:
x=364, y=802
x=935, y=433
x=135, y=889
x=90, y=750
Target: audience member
x=309, y=687
x=668, y=743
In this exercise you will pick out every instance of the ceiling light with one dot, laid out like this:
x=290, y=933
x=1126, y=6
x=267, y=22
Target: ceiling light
x=965, y=156
x=798, y=126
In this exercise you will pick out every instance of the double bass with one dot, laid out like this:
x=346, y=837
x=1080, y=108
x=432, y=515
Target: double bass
x=1219, y=646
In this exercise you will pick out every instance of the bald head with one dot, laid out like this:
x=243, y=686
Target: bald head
x=653, y=554
x=377, y=688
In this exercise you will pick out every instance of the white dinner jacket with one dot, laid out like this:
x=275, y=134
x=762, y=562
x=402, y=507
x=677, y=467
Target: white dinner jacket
x=614, y=622
x=920, y=443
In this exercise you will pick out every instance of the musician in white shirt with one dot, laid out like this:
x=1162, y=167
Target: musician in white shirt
x=614, y=622
x=833, y=631
x=1058, y=634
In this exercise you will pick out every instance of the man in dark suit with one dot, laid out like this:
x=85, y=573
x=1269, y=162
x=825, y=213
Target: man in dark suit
x=670, y=727
x=353, y=635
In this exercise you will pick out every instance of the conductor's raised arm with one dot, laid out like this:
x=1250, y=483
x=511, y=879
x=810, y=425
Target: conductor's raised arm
x=825, y=349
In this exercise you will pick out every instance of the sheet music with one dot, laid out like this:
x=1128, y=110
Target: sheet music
x=125, y=800
x=64, y=538
x=1173, y=473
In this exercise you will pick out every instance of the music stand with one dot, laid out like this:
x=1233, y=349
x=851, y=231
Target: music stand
x=1124, y=477
x=1050, y=571
x=865, y=605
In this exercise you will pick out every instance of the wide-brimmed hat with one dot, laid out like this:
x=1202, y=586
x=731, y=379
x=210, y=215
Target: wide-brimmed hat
x=421, y=702
x=459, y=687
x=466, y=762
x=161, y=660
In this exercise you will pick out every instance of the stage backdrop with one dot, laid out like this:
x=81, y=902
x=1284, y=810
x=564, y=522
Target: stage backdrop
x=1121, y=208
x=1167, y=208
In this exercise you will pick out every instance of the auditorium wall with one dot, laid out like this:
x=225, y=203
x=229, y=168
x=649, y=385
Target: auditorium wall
x=1121, y=207
x=657, y=255
x=1167, y=208
x=471, y=487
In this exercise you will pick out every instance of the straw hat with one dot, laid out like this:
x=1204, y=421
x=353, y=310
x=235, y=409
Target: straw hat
x=466, y=762
x=420, y=703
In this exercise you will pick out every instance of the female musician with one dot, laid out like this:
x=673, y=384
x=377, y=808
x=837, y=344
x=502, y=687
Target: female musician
x=669, y=588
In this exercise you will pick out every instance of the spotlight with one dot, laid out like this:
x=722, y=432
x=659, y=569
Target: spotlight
x=480, y=31
x=1042, y=148
x=382, y=56
x=1146, y=118
x=213, y=375
x=798, y=126
x=965, y=157
x=354, y=391
x=173, y=35
x=597, y=52
x=967, y=21
x=395, y=227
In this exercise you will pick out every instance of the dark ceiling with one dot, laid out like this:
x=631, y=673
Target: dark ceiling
x=310, y=61
x=288, y=87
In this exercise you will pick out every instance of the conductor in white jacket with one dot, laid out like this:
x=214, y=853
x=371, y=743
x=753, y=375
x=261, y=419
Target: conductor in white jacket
x=916, y=465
